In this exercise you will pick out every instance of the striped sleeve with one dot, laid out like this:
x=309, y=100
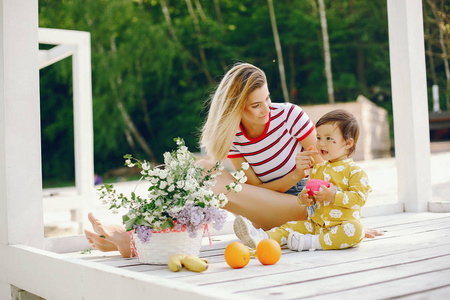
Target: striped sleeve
x=298, y=122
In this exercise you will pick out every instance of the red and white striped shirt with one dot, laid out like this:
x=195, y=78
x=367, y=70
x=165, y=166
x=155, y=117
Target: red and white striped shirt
x=272, y=155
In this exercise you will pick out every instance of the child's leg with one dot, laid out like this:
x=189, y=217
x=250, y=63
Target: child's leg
x=348, y=234
x=281, y=234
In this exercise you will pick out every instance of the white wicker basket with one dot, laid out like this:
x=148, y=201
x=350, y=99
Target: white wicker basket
x=164, y=244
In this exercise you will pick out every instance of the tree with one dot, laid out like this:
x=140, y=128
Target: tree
x=326, y=51
x=276, y=38
x=149, y=80
x=442, y=26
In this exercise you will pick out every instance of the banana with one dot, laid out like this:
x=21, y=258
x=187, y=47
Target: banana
x=175, y=262
x=205, y=259
x=194, y=263
x=191, y=262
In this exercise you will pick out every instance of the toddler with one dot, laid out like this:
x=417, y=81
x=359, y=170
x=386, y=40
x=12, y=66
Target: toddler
x=334, y=211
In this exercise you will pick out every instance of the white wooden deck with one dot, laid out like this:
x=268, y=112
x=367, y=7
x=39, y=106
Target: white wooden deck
x=412, y=260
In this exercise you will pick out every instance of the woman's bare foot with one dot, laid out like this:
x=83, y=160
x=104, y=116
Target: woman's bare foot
x=113, y=234
x=99, y=242
x=371, y=233
x=96, y=224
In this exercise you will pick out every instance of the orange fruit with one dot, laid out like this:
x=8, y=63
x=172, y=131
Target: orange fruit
x=268, y=252
x=237, y=255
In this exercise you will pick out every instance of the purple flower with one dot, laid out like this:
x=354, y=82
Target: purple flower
x=144, y=233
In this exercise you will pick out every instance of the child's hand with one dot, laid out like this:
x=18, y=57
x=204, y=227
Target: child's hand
x=304, y=199
x=325, y=194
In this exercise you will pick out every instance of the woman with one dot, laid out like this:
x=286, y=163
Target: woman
x=270, y=137
x=244, y=126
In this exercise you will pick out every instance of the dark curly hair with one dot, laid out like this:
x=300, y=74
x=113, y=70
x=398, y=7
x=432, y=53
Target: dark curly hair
x=346, y=122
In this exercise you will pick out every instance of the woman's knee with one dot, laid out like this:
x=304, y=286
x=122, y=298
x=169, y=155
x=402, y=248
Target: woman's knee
x=206, y=164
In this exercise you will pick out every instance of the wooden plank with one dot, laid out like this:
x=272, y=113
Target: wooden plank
x=434, y=285
x=329, y=284
x=403, y=218
x=52, y=276
x=440, y=292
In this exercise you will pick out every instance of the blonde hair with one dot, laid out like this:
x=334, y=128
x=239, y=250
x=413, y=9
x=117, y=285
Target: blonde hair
x=226, y=107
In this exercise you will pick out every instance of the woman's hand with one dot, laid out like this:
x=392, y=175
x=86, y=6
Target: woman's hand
x=304, y=160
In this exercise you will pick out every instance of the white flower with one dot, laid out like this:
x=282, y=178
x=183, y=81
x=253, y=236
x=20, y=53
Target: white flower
x=145, y=166
x=163, y=175
x=245, y=165
x=187, y=183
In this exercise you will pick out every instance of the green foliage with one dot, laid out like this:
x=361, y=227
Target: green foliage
x=162, y=81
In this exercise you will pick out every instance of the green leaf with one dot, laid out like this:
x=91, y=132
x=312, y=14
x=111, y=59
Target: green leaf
x=129, y=224
x=167, y=224
x=142, y=222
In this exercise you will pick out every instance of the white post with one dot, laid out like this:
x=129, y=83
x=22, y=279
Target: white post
x=77, y=44
x=21, y=212
x=409, y=97
x=83, y=124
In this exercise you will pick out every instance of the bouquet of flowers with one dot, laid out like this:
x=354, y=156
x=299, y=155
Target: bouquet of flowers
x=179, y=195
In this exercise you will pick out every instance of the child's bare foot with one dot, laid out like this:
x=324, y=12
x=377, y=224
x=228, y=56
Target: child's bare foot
x=99, y=242
x=114, y=234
